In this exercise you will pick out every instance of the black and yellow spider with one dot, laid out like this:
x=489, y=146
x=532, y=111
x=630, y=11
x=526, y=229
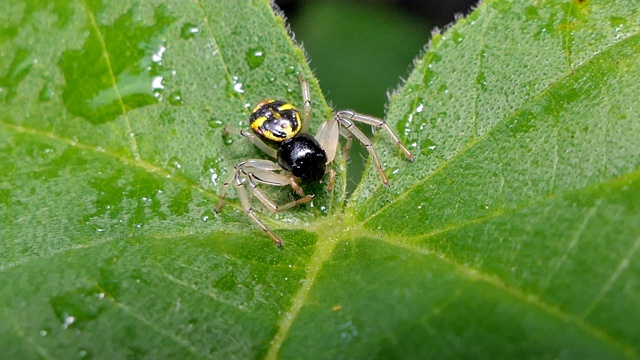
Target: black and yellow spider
x=279, y=131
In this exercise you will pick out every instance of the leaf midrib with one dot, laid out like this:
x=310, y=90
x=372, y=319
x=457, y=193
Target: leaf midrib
x=595, y=332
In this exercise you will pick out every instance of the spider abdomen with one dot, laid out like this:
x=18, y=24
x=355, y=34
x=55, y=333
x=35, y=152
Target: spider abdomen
x=275, y=120
x=303, y=157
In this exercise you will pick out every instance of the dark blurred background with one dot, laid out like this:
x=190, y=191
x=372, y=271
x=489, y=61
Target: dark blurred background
x=359, y=49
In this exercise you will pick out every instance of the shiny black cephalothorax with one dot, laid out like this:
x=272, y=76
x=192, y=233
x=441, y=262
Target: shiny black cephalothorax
x=303, y=157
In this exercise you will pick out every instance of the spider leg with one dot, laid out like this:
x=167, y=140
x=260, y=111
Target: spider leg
x=253, y=138
x=246, y=206
x=271, y=178
x=247, y=175
x=347, y=147
x=306, y=98
x=253, y=163
x=373, y=121
x=332, y=180
x=223, y=193
x=348, y=125
x=264, y=199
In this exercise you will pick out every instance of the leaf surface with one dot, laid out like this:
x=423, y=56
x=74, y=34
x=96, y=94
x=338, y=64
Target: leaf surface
x=515, y=232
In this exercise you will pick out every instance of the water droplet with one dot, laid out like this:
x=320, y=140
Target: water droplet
x=457, y=37
x=215, y=123
x=427, y=146
x=234, y=87
x=43, y=332
x=212, y=166
x=175, y=98
x=481, y=80
x=227, y=141
x=68, y=320
x=255, y=57
x=84, y=354
x=189, y=31
x=157, y=85
x=141, y=53
x=290, y=70
x=207, y=215
x=75, y=308
x=428, y=76
x=156, y=57
x=174, y=162
x=47, y=93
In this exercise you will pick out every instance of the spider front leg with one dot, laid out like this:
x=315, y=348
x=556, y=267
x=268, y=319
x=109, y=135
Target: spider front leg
x=251, y=137
x=342, y=123
x=347, y=117
x=270, y=178
x=248, y=210
x=249, y=174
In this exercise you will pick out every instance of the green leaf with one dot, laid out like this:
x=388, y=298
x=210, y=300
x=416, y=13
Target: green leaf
x=515, y=232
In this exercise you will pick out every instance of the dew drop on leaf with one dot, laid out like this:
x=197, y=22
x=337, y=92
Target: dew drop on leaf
x=427, y=146
x=234, y=87
x=457, y=37
x=290, y=70
x=481, y=81
x=214, y=123
x=189, y=31
x=255, y=57
x=174, y=162
x=84, y=354
x=175, y=98
x=207, y=215
x=47, y=93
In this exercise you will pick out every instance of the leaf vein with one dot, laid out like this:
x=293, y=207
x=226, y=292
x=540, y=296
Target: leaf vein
x=141, y=164
x=54, y=254
x=159, y=330
x=634, y=176
x=322, y=253
x=478, y=140
x=193, y=287
x=105, y=54
x=622, y=266
x=474, y=274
